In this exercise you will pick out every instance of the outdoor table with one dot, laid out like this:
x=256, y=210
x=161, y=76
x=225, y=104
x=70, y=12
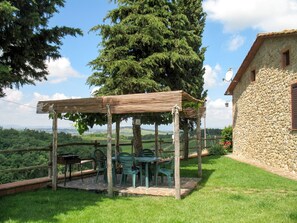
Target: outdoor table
x=68, y=160
x=146, y=161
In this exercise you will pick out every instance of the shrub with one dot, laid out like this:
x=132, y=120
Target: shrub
x=217, y=150
x=227, y=138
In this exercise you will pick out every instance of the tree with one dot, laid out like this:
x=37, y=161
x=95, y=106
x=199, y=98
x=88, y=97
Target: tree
x=188, y=25
x=150, y=46
x=26, y=41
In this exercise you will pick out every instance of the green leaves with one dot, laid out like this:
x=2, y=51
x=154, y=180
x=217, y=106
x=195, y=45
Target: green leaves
x=26, y=41
x=149, y=46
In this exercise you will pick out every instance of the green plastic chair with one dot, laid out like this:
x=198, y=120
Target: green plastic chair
x=147, y=153
x=166, y=168
x=101, y=165
x=128, y=168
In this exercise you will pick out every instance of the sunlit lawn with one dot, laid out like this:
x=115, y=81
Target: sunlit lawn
x=230, y=192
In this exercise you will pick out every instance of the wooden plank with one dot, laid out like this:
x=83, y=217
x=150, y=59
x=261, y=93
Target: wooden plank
x=119, y=104
x=187, y=97
x=109, y=153
x=156, y=139
x=176, y=154
x=54, y=152
x=198, y=133
x=143, y=103
x=87, y=105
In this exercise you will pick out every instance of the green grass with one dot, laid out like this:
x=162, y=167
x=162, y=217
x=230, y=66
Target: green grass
x=229, y=192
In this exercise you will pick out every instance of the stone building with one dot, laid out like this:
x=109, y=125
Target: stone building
x=264, y=96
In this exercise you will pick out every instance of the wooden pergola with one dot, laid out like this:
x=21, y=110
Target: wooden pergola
x=176, y=102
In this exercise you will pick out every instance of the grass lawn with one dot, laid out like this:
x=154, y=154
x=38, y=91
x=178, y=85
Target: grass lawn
x=230, y=192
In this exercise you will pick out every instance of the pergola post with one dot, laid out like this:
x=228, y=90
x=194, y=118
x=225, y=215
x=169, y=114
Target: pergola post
x=117, y=143
x=156, y=139
x=54, y=151
x=176, y=152
x=109, y=152
x=199, y=151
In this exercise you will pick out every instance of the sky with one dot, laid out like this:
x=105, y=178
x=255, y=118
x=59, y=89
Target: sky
x=230, y=30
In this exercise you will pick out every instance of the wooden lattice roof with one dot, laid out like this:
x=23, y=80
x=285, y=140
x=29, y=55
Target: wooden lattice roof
x=124, y=104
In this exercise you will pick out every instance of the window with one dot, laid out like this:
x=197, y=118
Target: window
x=253, y=75
x=286, y=58
x=294, y=105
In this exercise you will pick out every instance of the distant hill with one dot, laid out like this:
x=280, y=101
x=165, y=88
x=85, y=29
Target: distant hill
x=127, y=131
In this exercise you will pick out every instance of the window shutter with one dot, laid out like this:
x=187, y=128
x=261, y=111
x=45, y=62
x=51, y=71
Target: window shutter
x=294, y=106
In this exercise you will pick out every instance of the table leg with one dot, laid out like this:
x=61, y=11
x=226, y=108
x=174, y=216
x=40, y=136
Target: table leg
x=70, y=172
x=65, y=174
x=146, y=175
x=156, y=173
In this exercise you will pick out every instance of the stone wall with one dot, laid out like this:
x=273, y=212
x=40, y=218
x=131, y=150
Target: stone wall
x=262, y=109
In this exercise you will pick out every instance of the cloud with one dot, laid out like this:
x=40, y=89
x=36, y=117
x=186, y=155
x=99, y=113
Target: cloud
x=19, y=112
x=13, y=95
x=236, y=42
x=264, y=15
x=56, y=96
x=60, y=70
x=211, y=75
x=94, y=90
x=217, y=114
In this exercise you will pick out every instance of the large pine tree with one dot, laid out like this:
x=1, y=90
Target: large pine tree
x=149, y=46
x=26, y=41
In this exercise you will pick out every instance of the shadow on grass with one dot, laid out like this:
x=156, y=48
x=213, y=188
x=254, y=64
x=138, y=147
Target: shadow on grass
x=46, y=205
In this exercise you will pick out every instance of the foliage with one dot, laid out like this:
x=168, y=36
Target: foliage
x=84, y=121
x=25, y=139
x=229, y=192
x=227, y=138
x=149, y=46
x=26, y=41
x=217, y=149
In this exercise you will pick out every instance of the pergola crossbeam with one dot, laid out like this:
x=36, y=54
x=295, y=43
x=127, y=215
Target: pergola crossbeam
x=157, y=102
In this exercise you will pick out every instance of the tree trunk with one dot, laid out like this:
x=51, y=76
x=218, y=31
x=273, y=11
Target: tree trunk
x=186, y=140
x=137, y=143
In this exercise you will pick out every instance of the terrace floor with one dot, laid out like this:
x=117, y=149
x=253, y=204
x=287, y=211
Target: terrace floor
x=90, y=184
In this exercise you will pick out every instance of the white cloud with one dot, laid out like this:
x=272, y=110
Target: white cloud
x=263, y=15
x=236, y=42
x=60, y=70
x=13, y=95
x=211, y=76
x=16, y=111
x=93, y=90
x=56, y=96
x=217, y=114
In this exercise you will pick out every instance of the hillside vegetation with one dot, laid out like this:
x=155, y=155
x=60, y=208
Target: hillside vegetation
x=12, y=139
